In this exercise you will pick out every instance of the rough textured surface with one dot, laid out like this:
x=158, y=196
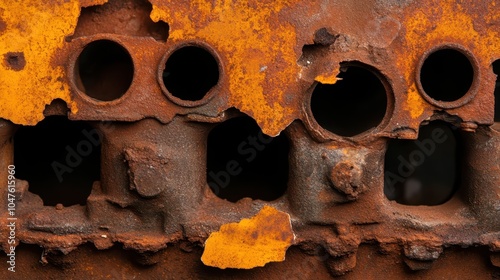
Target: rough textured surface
x=251, y=242
x=41, y=76
x=152, y=209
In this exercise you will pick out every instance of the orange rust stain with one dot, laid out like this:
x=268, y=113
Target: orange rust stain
x=256, y=45
x=251, y=242
x=36, y=29
x=415, y=102
x=438, y=23
x=87, y=3
x=329, y=78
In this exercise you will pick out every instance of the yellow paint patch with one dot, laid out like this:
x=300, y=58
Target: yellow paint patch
x=34, y=31
x=415, y=102
x=329, y=79
x=257, y=47
x=442, y=21
x=251, y=242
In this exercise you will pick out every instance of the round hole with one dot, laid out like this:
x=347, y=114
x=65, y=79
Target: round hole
x=190, y=72
x=356, y=103
x=446, y=75
x=104, y=70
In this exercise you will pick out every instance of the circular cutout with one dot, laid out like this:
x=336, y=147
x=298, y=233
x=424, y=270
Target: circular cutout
x=190, y=72
x=446, y=75
x=356, y=103
x=104, y=70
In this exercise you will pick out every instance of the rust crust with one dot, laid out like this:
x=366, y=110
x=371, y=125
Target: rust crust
x=362, y=137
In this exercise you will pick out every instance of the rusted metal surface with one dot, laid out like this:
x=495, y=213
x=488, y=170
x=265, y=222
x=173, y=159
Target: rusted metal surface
x=154, y=198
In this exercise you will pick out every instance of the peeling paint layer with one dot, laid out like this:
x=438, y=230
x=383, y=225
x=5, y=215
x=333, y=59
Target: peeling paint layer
x=34, y=30
x=251, y=242
x=329, y=79
x=444, y=22
x=258, y=48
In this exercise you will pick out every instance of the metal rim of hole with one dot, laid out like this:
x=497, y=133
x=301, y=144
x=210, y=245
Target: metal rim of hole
x=210, y=93
x=323, y=134
x=471, y=92
x=73, y=71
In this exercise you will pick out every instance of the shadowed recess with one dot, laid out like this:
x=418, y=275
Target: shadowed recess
x=59, y=158
x=496, y=70
x=123, y=17
x=424, y=171
x=446, y=75
x=190, y=73
x=356, y=103
x=104, y=70
x=243, y=162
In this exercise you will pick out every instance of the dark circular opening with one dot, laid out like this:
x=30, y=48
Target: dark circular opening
x=356, y=103
x=59, y=158
x=244, y=162
x=190, y=73
x=424, y=171
x=104, y=70
x=446, y=75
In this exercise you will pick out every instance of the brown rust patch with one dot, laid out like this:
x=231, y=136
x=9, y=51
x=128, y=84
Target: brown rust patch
x=124, y=17
x=15, y=60
x=323, y=37
x=3, y=26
